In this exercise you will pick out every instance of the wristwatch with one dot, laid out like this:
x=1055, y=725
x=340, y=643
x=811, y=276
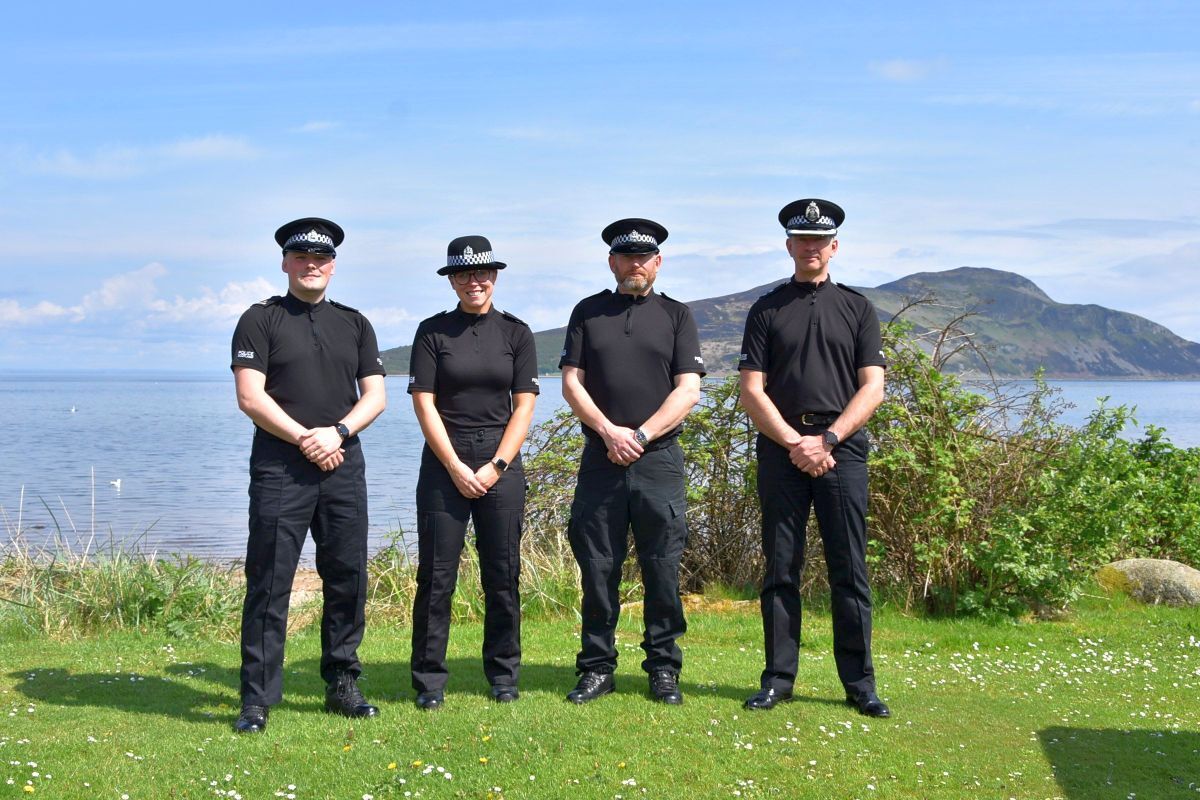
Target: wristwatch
x=640, y=436
x=500, y=464
x=831, y=439
x=342, y=430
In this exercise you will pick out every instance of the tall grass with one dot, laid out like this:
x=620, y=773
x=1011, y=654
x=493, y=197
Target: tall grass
x=73, y=587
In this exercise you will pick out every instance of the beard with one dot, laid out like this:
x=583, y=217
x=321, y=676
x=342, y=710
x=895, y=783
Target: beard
x=637, y=283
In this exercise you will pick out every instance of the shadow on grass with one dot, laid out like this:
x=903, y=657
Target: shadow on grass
x=1095, y=764
x=154, y=695
x=206, y=692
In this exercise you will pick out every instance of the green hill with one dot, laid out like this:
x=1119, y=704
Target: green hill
x=1016, y=323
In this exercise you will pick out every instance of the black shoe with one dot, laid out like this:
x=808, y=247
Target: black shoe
x=664, y=687
x=505, y=694
x=868, y=704
x=592, y=685
x=343, y=697
x=253, y=719
x=430, y=701
x=766, y=699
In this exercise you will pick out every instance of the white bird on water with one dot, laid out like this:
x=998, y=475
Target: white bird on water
x=72, y=409
x=116, y=483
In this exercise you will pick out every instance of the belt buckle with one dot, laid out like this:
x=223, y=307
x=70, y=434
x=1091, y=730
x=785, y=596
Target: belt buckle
x=804, y=419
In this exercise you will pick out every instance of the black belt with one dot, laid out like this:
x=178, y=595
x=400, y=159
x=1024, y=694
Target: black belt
x=595, y=440
x=816, y=419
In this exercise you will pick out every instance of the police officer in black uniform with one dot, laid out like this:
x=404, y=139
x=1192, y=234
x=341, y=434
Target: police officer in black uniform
x=812, y=372
x=308, y=373
x=631, y=373
x=473, y=380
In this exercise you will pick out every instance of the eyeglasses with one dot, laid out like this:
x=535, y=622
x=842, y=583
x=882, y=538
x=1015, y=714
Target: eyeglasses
x=477, y=275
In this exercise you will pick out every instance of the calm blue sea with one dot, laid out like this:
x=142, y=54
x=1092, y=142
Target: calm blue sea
x=179, y=447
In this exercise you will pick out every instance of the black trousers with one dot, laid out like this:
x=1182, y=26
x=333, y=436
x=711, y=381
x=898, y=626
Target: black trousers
x=442, y=514
x=288, y=496
x=839, y=498
x=649, y=496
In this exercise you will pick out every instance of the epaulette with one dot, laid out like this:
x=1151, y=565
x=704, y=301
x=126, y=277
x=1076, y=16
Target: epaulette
x=669, y=299
x=270, y=301
x=776, y=289
x=440, y=314
x=850, y=290
x=343, y=306
x=509, y=316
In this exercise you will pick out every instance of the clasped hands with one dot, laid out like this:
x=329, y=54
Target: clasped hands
x=323, y=447
x=473, y=484
x=810, y=456
x=623, y=446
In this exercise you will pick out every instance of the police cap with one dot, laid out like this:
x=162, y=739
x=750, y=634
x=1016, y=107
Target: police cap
x=634, y=235
x=470, y=252
x=310, y=235
x=811, y=217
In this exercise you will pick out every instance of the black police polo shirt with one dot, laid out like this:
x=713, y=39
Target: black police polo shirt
x=630, y=349
x=312, y=354
x=811, y=340
x=473, y=364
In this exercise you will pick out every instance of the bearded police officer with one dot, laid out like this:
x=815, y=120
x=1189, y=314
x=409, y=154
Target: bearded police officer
x=308, y=373
x=812, y=373
x=631, y=373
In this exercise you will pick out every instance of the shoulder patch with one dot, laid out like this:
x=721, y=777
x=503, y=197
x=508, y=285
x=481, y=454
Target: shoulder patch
x=270, y=301
x=343, y=306
x=509, y=316
x=846, y=288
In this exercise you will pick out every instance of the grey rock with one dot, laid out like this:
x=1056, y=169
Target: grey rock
x=1153, y=580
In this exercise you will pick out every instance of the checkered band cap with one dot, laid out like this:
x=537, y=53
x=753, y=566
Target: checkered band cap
x=633, y=237
x=311, y=237
x=469, y=258
x=811, y=217
x=795, y=222
x=469, y=252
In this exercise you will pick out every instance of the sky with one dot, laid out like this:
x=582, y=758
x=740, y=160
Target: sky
x=147, y=156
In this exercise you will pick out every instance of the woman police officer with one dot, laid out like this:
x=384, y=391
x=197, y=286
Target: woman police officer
x=473, y=380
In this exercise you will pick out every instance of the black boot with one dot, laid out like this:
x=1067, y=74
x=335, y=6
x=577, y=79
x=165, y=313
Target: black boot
x=342, y=696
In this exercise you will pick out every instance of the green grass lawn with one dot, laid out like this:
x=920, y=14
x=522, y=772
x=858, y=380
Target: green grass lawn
x=1105, y=704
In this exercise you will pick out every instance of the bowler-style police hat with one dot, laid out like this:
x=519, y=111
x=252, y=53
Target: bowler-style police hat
x=469, y=252
x=310, y=235
x=811, y=217
x=634, y=235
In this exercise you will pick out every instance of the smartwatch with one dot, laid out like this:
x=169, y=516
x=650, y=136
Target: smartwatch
x=831, y=439
x=342, y=430
x=500, y=464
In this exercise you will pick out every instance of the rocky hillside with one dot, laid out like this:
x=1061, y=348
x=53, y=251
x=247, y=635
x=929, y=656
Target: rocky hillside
x=1017, y=324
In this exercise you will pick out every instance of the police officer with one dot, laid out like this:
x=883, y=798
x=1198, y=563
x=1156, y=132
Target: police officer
x=631, y=372
x=308, y=373
x=473, y=380
x=812, y=373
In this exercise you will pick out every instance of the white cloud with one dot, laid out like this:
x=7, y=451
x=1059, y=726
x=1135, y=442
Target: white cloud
x=901, y=70
x=104, y=164
x=317, y=126
x=109, y=163
x=130, y=289
x=13, y=314
x=388, y=317
x=215, y=147
x=221, y=307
